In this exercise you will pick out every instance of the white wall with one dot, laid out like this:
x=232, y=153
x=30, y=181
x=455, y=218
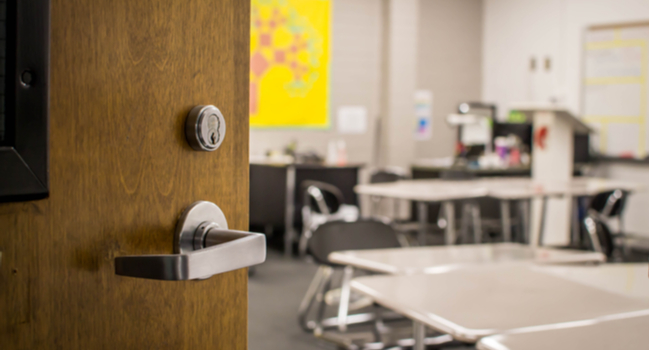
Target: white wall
x=516, y=30
x=449, y=65
x=400, y=72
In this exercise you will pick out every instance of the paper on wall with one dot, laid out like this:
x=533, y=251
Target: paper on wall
x=423, y=114
x=352, y=120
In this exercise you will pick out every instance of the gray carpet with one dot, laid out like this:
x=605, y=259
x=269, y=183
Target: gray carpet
x=274, y=294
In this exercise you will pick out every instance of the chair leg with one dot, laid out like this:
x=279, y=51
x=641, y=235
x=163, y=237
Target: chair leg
x=304, y=238
x=378, y=327
x=344, y=301
x=315, y=288
x=320, y=299
x=590, y=224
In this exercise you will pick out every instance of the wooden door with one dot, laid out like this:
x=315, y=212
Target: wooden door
x=124, y=74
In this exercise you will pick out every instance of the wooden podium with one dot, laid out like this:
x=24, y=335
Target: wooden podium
x=552, y=161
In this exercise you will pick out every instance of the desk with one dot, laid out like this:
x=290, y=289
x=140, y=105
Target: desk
x=627, y=279
x=507, y=191
x=424, y=192
x=471, y=303
x=434, y=259
x=630, y=333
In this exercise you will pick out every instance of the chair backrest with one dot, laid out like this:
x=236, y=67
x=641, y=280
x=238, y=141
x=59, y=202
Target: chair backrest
x=385, y=175
x=610, y=203
x=316, y=194
x=341, y=235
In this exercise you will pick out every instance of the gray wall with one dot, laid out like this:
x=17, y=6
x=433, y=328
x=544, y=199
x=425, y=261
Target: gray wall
x=355, y=80
x=400, y=70
x=449, y=64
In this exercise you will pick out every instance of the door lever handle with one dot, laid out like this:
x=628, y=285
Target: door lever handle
x=203, y=247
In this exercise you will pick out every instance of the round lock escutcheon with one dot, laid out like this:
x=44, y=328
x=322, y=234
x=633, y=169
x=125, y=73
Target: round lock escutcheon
x=205, y=128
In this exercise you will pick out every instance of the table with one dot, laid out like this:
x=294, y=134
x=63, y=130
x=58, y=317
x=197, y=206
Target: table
x=433, y=259
x=630, y=333
x=471, y=303
x=523, y=191
x=428, y=191
x=627, y=279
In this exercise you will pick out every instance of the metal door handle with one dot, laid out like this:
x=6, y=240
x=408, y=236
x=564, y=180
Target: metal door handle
x=203, y=247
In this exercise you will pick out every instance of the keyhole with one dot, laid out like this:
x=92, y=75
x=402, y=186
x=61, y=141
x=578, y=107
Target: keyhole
x=213, y=138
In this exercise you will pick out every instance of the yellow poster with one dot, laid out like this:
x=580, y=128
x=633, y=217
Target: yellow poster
x=289, y=68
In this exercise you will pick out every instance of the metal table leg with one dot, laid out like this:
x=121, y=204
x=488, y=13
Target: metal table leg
x=450, y=216
x=506, y=225
x=418, y=335
x=575, y=224
x=289, y=232
x=423, y=218
x=524, y=213
x=536, y=239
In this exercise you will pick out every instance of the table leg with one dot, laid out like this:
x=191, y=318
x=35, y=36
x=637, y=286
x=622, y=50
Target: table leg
x=418, y=335
x=476, y=223
x=506, y=225
x=575, y=223
x=450, y=216
x=539, y=239
x=289, y=232
x=423, y=218
x=524, y=213
x=537, y=221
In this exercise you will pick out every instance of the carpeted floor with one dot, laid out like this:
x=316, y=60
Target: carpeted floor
x=274, y=294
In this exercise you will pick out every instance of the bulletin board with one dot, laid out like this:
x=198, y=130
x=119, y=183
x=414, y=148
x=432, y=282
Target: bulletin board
x=615, y=89
x=289, y=63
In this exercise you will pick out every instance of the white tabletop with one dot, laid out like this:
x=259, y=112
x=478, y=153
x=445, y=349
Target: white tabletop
x=470, y=303
x=435, y=190
x=433, y=259
x=630, y=333
x=578, y=186
x=429, y=190
x=622, y=278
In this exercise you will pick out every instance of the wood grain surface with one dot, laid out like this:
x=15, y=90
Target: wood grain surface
x=124, y=74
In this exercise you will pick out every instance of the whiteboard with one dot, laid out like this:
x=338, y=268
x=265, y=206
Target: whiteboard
x=615, y=89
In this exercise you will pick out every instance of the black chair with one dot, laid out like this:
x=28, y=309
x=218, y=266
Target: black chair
x=603, y=207
x=339, y=236
x=321, y=197
x=322, y=202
